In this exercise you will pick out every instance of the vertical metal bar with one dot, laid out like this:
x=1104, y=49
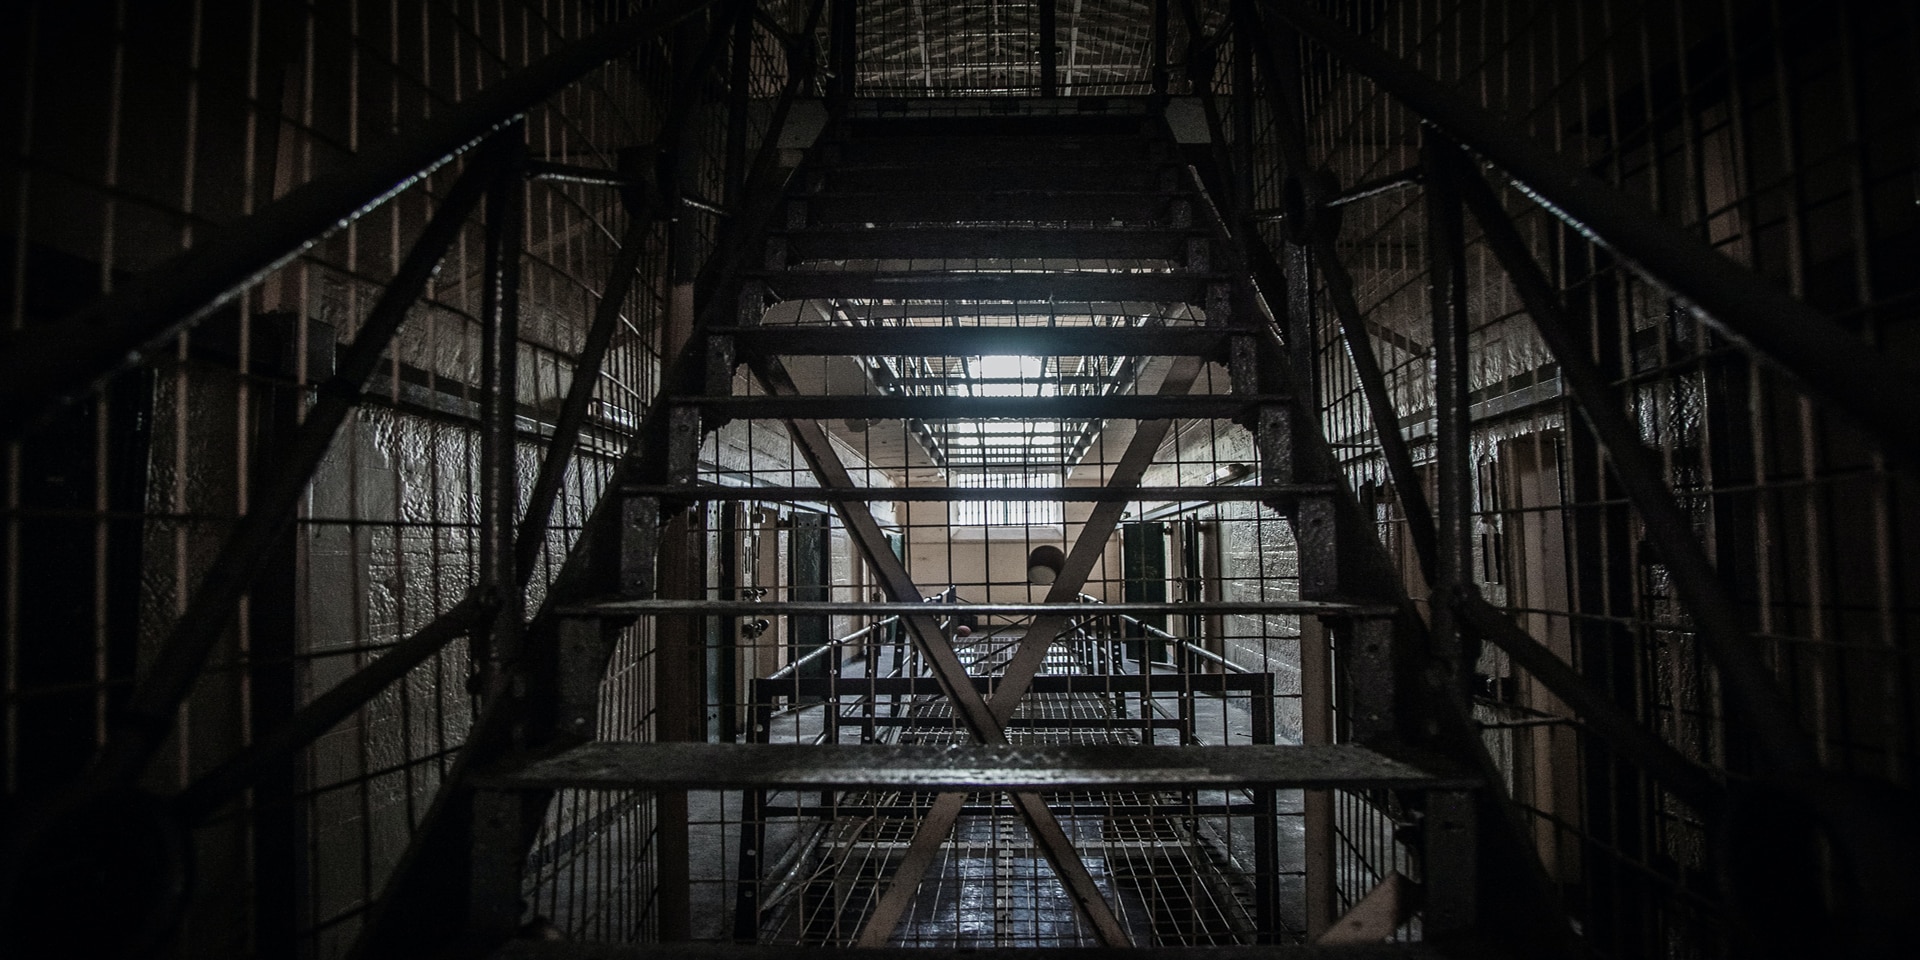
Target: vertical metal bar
x=1266, y=828
x=1453, y=426
x=1316, y=727
x=1049, y=48
x=1160, y=30
x=1448, y=868
x=1310, y=245
x=841, y=52
x=738, y=78
x=1242, y=147
x=499, y=404
x=680, y=573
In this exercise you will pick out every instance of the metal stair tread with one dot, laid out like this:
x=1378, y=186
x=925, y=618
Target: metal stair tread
x=884, y=407
x=938, y=494
x=816, y=340
x=615, y=607
x=987, y=285
x=926, y=767
x=576, y=950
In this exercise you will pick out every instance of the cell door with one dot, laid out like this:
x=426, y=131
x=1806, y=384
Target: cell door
x=1143, y=564
x=807, y=577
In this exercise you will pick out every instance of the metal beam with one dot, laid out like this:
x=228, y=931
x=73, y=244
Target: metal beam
x=1097, y=684
x=984, y=285
x=1221, y=494
x=1694, y=784
x=1049, y=48
x=996, y=243
x=212, y=789
x=1452, y=422
x=421, y=904
x=879, y=407
x=44, y=367
x=1875, y=390
x=929, y=341
x=499, y=505
x=622, y=765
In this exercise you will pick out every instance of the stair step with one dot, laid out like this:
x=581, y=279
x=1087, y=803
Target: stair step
x=1125, y=120
x=931, y=341
x=1046, y=684
x=1062, y=148
x=886, y=608
x=952, y=206
x=1039, y=287
x=1222, y=494
x=879, y=407
x=567, y=950
x=1001, y=174
x=722, y=766
x=899, y=243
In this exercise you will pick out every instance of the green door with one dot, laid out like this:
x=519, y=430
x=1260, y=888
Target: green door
x=1143, y=564
x=807, y=572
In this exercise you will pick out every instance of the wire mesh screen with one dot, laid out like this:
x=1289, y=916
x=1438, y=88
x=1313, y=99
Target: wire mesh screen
x=1763, y=133
x=137, y=129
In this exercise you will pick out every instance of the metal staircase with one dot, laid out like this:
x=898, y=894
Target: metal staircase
x=1096, y=226
x=1120, y=278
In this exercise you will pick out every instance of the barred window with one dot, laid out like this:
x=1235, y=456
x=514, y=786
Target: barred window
x=1010, y=512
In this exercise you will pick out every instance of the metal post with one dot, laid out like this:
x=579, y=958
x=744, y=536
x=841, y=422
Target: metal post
x=739, y=76
x=1453, y=424
x=1160, y=31
x=1316, y=727
x=1266, y=832
x=494, y=647
x=841, y=51
x=1242, y=147
x=1049, y=48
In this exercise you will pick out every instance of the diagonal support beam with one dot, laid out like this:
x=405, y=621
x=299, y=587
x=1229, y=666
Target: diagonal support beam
x=1031, y=654
x=149, y=713
x=1751, y=689
x=866, y=535
x=1282, y=71
x=1876, y=390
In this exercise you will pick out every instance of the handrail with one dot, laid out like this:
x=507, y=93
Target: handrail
x=43, y=368
x=1874, y=390
x=863, y=631
x=790, y=668
x=1185, y=644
